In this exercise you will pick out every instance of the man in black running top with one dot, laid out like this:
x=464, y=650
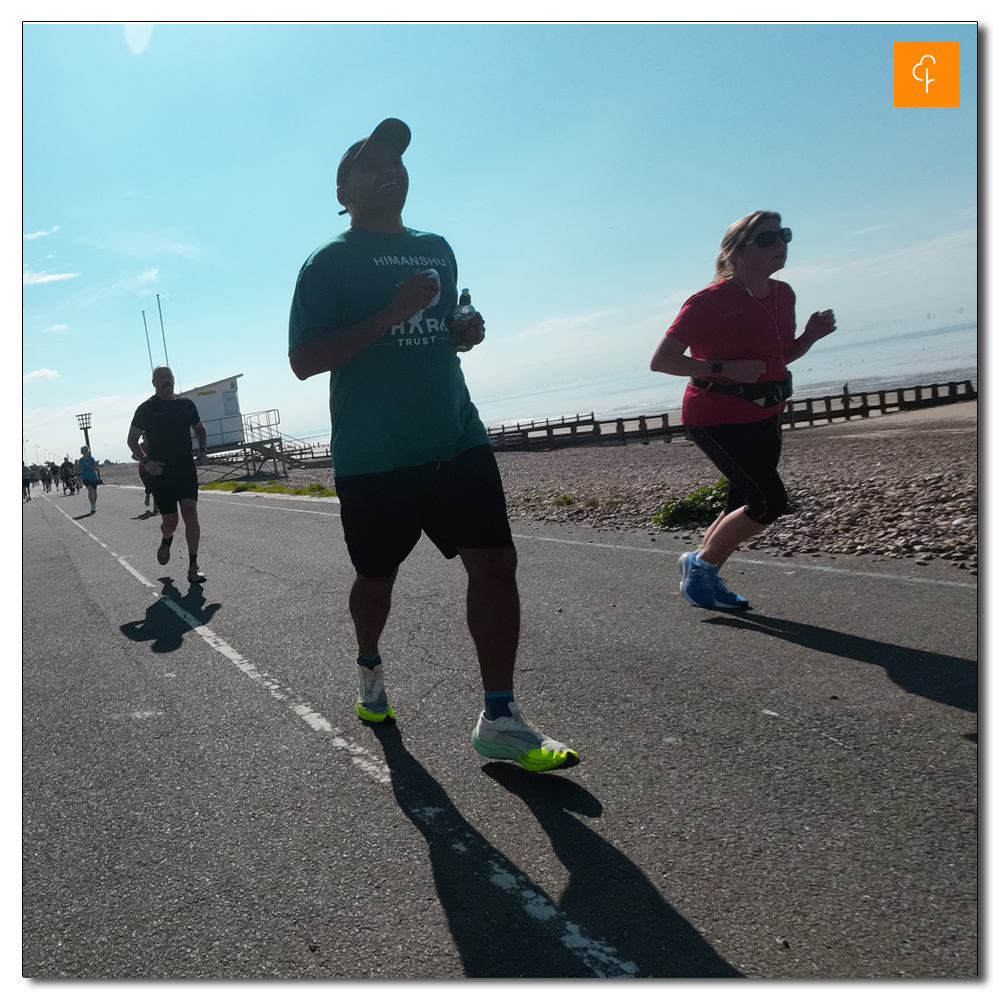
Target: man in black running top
x=166, y=421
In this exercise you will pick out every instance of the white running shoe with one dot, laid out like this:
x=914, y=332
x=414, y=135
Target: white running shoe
x=373, y=703
x=511, y=737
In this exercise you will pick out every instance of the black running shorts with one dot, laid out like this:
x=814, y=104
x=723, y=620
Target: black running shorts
x=170, y=487
x=459, y=504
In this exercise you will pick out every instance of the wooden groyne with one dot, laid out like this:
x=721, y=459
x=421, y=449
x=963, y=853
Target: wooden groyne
x=579, y=430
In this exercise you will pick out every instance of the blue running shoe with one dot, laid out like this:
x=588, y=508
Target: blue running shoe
x=726, y=600
x=699, y=580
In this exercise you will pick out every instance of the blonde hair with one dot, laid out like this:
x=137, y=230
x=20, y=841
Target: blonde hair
x=734, y=238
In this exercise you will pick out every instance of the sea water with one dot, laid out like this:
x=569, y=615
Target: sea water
x=895, y=361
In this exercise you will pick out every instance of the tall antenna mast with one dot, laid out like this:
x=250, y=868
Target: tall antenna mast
x=148, y=350
x=163, y=334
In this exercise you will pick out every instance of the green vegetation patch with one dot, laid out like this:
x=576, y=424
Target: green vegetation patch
x=273, y=486
x=564, y=500
x=701, y=507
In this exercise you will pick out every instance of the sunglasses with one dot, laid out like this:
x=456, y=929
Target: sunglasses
x=769, y=237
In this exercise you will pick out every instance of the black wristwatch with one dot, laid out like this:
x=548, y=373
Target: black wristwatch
x=716, y=367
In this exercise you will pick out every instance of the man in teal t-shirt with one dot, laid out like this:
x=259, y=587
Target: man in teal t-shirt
x=373, y=307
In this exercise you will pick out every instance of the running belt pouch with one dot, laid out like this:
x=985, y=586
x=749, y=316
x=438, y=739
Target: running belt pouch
x=761, y=393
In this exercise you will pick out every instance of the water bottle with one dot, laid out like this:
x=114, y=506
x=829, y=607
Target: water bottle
x=462, y=312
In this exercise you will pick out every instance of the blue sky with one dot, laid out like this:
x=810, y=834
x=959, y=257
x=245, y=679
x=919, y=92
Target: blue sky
x=583, y=174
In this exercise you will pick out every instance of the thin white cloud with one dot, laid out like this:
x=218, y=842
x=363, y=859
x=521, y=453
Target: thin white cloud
x=137, y=244
x=56, y=328
x=39, y=374
x=124, y=284
x=559, y=325
x=137, y=36
x=43, y=277
x=41, y=232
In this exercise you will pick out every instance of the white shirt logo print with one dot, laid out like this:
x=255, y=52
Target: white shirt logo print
x=416, y=331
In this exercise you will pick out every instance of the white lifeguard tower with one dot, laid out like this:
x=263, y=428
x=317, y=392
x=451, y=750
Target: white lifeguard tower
x=219, y=408
x=250, y=440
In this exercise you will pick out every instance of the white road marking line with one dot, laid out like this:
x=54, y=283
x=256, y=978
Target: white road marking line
x=297, y=510
x=784, y=564
x=599, y=956
x=209, y=495
x=359, y=756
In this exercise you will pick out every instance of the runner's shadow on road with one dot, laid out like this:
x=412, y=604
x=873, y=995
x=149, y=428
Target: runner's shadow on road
x=950, y=680
x=162, y=627
x=607, y=892
x=80, y=517
x=505, y=925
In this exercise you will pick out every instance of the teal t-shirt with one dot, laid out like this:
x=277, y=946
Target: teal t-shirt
x=89, y=470
x=403, y=400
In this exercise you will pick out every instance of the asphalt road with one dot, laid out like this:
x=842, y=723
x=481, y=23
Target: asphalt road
x=788, y=793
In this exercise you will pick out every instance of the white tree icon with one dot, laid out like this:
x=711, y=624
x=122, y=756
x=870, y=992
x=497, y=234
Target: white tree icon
x=926, y=79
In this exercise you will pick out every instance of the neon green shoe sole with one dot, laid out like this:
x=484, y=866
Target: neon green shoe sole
x=366, y=716
x=511, y=738
x=534, y=760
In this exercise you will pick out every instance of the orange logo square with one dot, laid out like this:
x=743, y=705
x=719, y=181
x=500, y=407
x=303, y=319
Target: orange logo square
x=925, y=75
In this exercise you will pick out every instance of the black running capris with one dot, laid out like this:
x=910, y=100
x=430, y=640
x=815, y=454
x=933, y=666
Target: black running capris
x=747, y=455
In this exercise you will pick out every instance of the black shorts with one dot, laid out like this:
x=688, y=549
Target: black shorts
x=459, y=504
x=170, y=487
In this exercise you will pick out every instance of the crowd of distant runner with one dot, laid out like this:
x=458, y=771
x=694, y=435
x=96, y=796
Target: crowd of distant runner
x=68, y=476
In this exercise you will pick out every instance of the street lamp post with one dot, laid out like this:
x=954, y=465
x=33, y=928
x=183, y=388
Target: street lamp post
x=84, y=420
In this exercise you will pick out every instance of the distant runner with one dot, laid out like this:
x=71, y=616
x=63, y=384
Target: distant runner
x=147, y=479
x=166, y=421
x=90, y=475
x=68, y=475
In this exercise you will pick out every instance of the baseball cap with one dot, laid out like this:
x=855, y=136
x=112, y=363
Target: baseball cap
x=392, y=131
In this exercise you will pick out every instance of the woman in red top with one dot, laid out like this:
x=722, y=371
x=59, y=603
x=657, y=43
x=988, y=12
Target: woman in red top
x=739, y=335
